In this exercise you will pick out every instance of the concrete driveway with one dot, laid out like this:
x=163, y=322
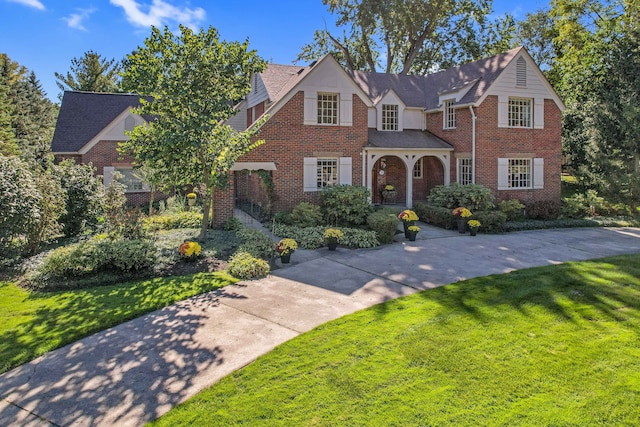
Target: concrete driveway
x=137, y=371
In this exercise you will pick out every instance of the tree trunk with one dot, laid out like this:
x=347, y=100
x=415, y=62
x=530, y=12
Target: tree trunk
x=206, y=203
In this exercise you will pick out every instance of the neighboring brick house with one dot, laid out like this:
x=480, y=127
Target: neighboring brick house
x=495, y=122
x=90, y=125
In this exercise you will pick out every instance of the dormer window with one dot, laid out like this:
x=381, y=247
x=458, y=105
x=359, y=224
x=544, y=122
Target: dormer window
x=449, y=116
x=327, y=108
x=389, y=117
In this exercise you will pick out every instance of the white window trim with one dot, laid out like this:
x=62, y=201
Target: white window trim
x=310, y=172
x=319, y=110
x=396, y=124
x=419, y=165
x=107, y=178
x=531, y=107
x=449, y=114
x=459, y=177
x=536, y=179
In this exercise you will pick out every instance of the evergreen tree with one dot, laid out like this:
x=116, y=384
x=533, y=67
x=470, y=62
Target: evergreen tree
x=8, y=145
x=91, y=73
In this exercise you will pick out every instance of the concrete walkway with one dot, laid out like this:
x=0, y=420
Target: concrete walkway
x=137, y=371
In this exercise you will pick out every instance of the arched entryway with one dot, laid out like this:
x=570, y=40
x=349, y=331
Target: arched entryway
x=389, y=170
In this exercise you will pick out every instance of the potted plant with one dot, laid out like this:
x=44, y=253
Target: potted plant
x=462, y=214
x=285, y=248
x=332, y=236
x=189, y=250
x=191, y=199
x=473, y=224
x=408, y=218
x=413, y=231
x=388, y=193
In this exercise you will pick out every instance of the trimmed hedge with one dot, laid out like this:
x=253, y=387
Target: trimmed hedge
x=243, y=265
x=491, y=221
x=313, y=237
x=185, y=219
x=474, y=197
x=384, y=224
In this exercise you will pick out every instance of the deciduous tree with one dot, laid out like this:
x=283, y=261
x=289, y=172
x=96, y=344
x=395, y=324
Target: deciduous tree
x=192, y=81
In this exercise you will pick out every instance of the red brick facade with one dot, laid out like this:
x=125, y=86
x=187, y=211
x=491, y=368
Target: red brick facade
x=493, y=142
x=288, y=141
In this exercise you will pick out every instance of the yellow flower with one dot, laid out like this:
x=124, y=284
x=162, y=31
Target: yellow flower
x=414, y=228
x=474, y=223
x=462, y=212
x=190, y=249
x=286, y=246
x=333, y=233
x=388, y=187
x=191, y=196
x=408, y=215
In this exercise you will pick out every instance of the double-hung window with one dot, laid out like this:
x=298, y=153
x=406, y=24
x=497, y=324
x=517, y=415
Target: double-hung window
x=328, y=108
x=389, y=117
x=327, y=173
x=449, y=114
x=465, y=172
x=519, y=173
x=520, y=112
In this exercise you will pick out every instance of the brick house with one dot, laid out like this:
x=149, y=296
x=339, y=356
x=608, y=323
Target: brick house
x=90, y=125
x=495, y=122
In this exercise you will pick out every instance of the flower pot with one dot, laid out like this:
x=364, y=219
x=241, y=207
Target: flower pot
x=191, y=202
x=332, y=244
x=462, y=225
x=285, y=259
x=412, y=235
x=406, y=225
x=473, y=230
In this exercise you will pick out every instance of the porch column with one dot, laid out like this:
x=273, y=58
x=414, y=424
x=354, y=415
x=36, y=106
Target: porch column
x=409, y=197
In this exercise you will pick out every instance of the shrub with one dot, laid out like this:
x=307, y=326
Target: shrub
x=587, y=204
x=512, y=208
x=384, y=225
x=84, y=195
x=232, y=224
x=492, y=221
x=51, y=206
x=346, y=204
x=436, y=215
x=19, y=201
x=306, y=214
x=256, y=243
x=185, y=219
x=243, y=265
x=543, y=209
x=313, y=237
x=358, y=238
x=96, y=255
x=473, y=196
x=282, y=218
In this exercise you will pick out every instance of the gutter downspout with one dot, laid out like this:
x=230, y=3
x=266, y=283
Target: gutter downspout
x=365, y=181
x=473, y=144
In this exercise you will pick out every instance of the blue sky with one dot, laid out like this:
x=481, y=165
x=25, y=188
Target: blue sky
x=44, y=35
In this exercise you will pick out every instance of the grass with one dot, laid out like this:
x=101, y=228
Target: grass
x=555, y=345
x=32, y=324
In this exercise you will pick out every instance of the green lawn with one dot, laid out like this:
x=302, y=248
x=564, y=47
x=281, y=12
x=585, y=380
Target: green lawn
x=32, y=324
x=556, y=345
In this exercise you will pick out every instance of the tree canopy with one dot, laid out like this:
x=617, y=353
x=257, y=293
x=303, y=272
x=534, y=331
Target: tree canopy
x=91, y=73
x=404, y=36
x=191, y=82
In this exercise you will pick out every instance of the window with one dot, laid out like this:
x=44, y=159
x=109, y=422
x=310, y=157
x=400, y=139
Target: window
x=389, y=117
x=417, y=169
x=520, y=112
x=327, y=173
x=519, y=173
x=465, y=172
x=130, y=179
x=449, y=114
x=327, y=108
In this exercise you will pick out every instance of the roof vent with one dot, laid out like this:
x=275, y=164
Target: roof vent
x=312, y=64
x=300, y=71
x=521, y=72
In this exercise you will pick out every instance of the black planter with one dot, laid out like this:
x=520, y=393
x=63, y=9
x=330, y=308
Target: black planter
x=462, y=225
x=332, y=244
x=406, y=225
x=412, y=235
x=285, y=259
x=473, y=230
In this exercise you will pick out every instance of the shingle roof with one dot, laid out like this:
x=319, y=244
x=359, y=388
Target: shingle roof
x=406, y=139
x=423, y=91
x=279, y=79
x=85, y=114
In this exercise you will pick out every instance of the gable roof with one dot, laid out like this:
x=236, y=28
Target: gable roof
x=85, y=114
x=424, y=91
x=278, y=77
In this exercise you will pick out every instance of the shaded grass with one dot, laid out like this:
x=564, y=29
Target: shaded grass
x=555, y=345
x=32, y=324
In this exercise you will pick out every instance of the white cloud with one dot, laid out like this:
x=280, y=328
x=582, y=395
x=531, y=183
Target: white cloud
x=31, y=3
x=75, y=19
x=159, y=13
